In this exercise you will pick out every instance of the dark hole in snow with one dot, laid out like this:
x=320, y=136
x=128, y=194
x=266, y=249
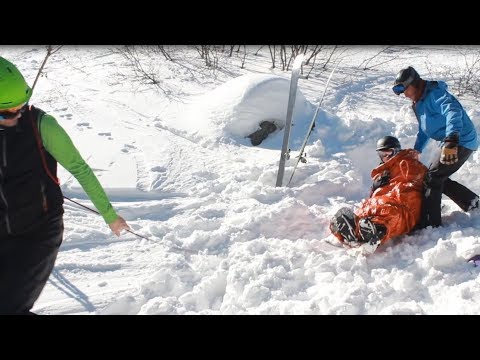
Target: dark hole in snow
x=266, y=128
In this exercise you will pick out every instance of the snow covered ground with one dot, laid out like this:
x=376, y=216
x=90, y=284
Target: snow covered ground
x=222, y=239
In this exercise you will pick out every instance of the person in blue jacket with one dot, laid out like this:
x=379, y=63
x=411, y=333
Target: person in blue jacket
x=440, y=117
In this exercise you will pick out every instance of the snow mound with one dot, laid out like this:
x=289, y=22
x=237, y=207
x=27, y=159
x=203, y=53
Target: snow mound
x=235, y=109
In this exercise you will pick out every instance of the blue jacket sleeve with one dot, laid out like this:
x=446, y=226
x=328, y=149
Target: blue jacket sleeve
x=422, y=140
x=451, y=109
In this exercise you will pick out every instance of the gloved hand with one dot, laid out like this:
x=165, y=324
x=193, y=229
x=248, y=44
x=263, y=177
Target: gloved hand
x=380, y=180
x=449, y=153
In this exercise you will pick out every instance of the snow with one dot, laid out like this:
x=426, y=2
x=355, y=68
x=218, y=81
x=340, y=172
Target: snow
x=220, y=237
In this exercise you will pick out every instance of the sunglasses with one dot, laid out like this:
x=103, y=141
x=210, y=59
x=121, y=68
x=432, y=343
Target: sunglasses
x=11, y=113
x=399, y=89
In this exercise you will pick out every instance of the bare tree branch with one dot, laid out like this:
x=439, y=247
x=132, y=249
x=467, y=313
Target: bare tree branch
x=242, y=65
x=272, y=50
x=50, y=51
x=366, y=62
x=260, y=48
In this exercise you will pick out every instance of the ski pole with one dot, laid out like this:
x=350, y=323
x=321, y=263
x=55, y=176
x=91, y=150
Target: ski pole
x=312, y=125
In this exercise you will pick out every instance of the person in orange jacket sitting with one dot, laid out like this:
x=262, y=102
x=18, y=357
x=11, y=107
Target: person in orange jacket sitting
x=394, y=205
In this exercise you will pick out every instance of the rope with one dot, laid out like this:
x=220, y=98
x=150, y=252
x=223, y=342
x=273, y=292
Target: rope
x=131, y=232
x=96, y=212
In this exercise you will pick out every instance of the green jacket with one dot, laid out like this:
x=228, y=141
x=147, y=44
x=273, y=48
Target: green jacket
x=57, y=142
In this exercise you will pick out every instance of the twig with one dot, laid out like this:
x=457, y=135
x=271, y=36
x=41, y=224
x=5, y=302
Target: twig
x=50, y=51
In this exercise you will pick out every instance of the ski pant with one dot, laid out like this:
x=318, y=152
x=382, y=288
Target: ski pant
x=26, y=262
x=437, y=182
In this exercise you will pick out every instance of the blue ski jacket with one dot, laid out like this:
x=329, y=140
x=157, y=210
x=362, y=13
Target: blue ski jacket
x=439, y=115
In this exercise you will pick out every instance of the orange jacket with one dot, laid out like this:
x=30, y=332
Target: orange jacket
x=396, y=205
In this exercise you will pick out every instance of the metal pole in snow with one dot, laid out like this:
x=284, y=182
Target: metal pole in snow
x=288, y=122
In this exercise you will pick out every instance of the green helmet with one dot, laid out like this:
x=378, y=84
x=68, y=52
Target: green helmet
x=14, y=90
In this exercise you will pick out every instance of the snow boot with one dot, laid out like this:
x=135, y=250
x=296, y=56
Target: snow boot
x=342, y=225
x=371, y=232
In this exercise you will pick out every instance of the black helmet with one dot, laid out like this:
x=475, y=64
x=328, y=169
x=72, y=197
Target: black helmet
x=388, y=142
x=387, y=147
x=405, y=77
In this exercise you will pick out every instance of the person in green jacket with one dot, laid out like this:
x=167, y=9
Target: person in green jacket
x=31, y=201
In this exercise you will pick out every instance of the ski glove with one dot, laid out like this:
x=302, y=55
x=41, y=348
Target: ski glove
x=379, y=181
x=449, y=153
